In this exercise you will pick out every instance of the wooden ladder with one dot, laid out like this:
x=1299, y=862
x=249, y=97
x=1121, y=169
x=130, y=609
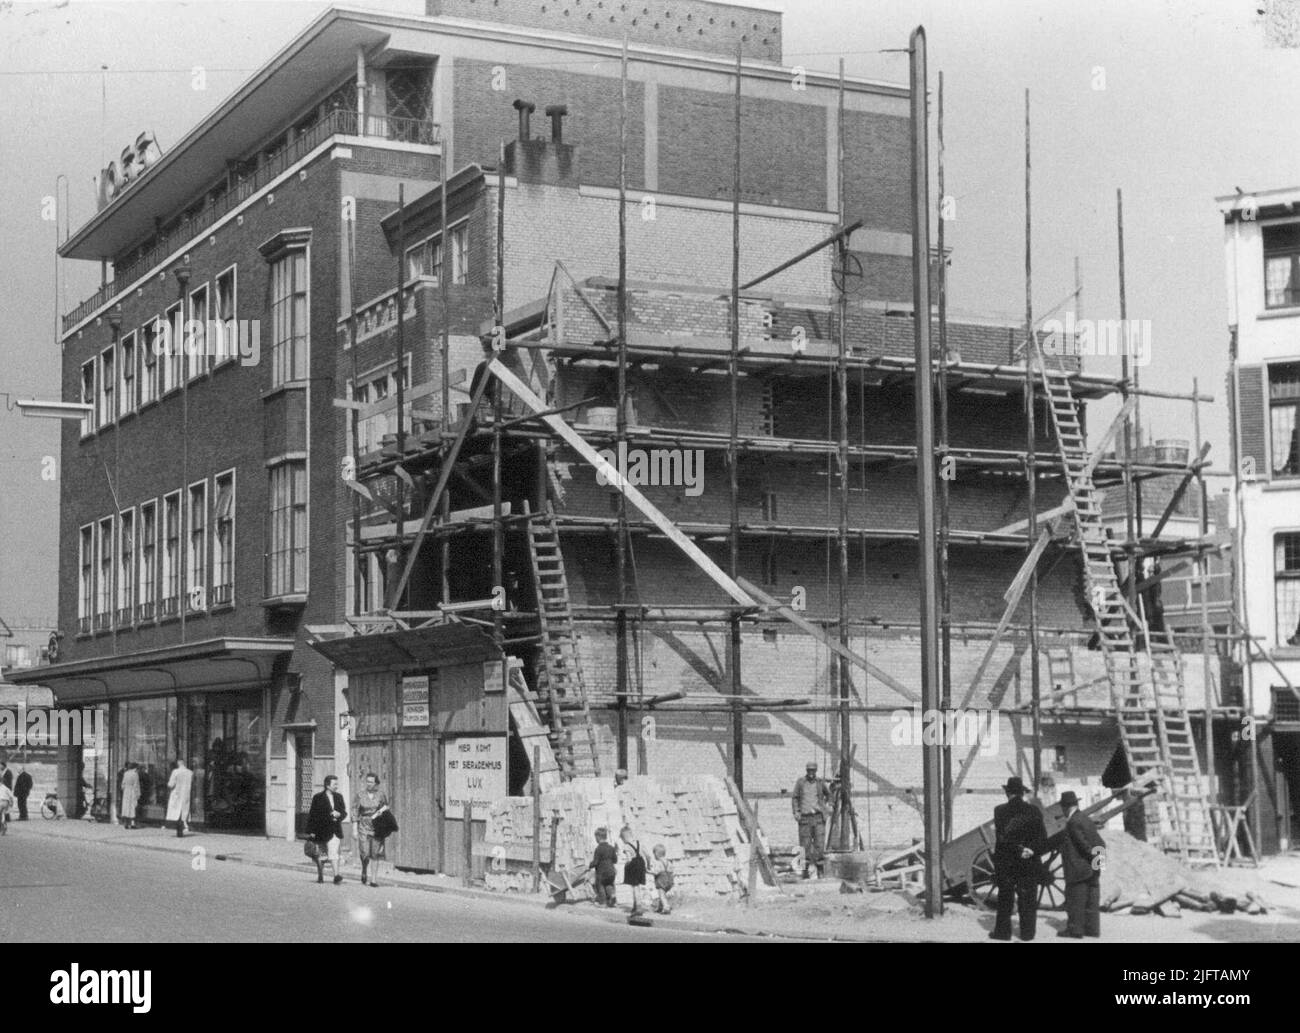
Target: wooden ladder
x=1145, y=734
x=560, y=684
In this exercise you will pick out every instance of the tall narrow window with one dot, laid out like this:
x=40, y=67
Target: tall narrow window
x=175, y=348
x=287, y=558
x=196, y=334
x=149, y=364
x=223, y=563
x=89, y=421
x=435, y=258
x=104, y=554
x=128, y=399
x=107, y=388
x=415, y=259
x=1286, y=574
x=1284, y=418
x=86, y=588
x=225, y=314
x=197, y=588
x=289, y=318
x=148, y=550
x=460, y=254
x=171, y=555
x=126, y=569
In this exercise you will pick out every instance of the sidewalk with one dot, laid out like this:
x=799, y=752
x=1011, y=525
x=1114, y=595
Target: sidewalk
x=811, y=910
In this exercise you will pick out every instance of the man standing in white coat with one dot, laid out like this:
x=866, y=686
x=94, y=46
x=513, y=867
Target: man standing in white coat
x=178, y=803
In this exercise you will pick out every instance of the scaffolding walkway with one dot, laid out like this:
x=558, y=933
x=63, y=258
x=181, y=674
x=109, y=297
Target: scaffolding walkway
x=1154, y=726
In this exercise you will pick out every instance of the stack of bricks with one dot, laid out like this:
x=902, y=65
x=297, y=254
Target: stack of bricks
x=694, y=818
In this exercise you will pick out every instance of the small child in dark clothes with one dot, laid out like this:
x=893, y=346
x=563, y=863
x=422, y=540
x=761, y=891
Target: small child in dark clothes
x=605, y=862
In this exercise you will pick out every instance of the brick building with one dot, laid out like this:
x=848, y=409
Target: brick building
x=208, y=520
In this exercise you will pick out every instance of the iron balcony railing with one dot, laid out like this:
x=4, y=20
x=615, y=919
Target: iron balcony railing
x=336, y=123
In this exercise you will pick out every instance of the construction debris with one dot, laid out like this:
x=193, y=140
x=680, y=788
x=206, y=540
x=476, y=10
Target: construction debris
x=1140, y=879
x=695, y=818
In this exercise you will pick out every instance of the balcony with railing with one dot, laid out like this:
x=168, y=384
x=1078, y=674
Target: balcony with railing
x=341, y=122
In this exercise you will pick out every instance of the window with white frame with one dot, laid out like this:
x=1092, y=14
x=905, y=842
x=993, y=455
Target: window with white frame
x=171, y=555
x=1282, y=265
x=425, y=259
x=1286, y=574
x=196, y=339
x=126, y=568
x=289, y=318
x=107, y=387
x=288, y=554
x=128, y=398
x=148, y=549
x=223, y=542
x=175, y=349
x=1284, y=418
x=89, y=422
x=150, y=367
x=86, y=584
x=460, y=253
x=104, y=556
x=224, y=312
x=197, y=588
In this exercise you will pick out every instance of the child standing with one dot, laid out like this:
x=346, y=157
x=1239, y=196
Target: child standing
x=635, y=869
x=605, y=862
x=661, y=870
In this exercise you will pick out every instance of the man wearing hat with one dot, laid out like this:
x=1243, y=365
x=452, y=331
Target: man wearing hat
x=1021, y=837
x=811, y=801
x=1082, y=853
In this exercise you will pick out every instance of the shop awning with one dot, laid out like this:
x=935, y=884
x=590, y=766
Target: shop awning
x=435, y=646
x=214, y=665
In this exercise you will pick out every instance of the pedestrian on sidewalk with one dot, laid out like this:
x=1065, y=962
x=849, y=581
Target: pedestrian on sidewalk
x=325, y=826
x=810, y=803
x=178, y=801
x=130, y=793
x=22, y=790
x=605, y=863
x=661, y=871
x=369, y=803
x=634, y=870
x=1020, y=838
x=1082, y=852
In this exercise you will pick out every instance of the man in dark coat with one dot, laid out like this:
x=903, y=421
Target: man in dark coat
x=22, y=790
x=325, y=827
x=1082, y=854
x=1021, y=838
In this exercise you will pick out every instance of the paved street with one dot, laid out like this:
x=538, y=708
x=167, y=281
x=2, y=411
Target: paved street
x=70, y=890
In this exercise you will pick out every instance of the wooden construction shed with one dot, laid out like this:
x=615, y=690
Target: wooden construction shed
x=428, y=715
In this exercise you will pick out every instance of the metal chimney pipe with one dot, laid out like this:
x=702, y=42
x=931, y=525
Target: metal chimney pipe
x=556, y=113
x=525, y=108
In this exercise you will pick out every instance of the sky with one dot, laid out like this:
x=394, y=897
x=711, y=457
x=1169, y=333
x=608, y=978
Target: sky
x=1174, y=102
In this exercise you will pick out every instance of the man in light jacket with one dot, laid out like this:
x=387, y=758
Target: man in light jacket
x=180, y=783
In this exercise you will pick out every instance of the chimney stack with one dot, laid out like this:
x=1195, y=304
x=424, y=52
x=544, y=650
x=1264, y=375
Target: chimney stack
x=556, y=113
x=525, y=108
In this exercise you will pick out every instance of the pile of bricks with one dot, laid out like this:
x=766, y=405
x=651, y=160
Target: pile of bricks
x=694, y=818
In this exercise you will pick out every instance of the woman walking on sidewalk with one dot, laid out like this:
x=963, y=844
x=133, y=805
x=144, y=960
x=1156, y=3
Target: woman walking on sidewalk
x=178, y=802
x=370, y=848
x=130, y=794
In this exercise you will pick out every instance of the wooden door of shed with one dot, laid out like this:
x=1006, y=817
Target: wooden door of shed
x=411, y=792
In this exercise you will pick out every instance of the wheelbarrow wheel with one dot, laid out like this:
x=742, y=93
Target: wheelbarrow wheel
x=1051, y=895
x=982, y=883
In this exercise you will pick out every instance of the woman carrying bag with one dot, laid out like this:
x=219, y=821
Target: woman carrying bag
x=373, y=823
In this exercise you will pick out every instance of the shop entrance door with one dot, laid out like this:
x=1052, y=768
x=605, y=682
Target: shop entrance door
x=236, y=782
x=302, y=747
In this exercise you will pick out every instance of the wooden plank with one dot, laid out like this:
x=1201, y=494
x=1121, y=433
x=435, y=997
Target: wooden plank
x=1051, y=514
x=1017, y=589
x=750, y=824
x=614, y=477
x=1180, y=491
x=826, y=640
x=1109, y=436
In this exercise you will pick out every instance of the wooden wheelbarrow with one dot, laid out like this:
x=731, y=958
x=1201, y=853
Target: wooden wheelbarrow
x=563, y=882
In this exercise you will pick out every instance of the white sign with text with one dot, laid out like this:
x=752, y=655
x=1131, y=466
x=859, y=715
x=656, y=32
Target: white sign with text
x=475, y=769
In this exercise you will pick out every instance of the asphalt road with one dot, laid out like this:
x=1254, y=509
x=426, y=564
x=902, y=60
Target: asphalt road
x=76, y=892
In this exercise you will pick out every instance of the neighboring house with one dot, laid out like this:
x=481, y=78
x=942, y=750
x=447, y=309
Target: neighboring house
x=1262, y=250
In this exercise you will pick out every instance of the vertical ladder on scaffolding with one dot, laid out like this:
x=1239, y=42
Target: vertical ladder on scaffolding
x=1188, y=799
x=560, y=683
x=1131, y=696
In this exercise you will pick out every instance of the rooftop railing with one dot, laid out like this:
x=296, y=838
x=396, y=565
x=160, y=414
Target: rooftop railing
x=336, y=123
